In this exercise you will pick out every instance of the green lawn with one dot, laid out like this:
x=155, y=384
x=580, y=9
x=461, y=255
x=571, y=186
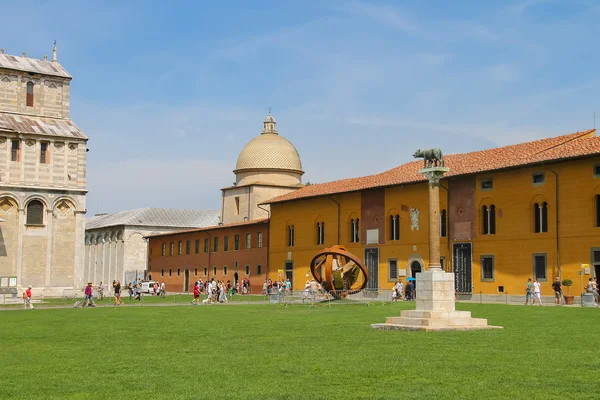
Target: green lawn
x=295, y=352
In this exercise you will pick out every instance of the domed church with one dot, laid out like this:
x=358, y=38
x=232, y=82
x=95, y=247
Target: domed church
x=267, y=167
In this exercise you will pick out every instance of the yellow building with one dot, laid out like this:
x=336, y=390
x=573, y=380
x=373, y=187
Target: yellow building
x=499, y=225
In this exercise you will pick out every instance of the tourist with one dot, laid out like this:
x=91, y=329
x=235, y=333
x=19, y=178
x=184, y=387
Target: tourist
x=209, y=292
x=162, y=289
x=130, y=289
x=288, y=286
x=155, y=287
x=27, y=298
x=266, y=289
x=537, y=294
x=400, y=289
x=118, y=300
x=528, y=291
x=592, y=288
x=101, y=291
x=196, y=300
x=222, y=291
x=88, y=295
x=557, y=290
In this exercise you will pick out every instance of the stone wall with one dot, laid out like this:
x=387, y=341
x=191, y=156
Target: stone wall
x=51, y=95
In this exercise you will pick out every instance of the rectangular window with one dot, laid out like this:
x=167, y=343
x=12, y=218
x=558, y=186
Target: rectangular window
x=195, y=271
x=172, y=249
x=164, y=249
x=16, y=150
x=205, y=271
x=178, y=272
x=258, y=269
x=236, y=211
x=197, y=246
x=487, y=268
x=214, y=271
x=259, y=239
x=248, y=240
x=225, y=243
x=443, y=223
x=205, y=246
x=392, y=269
x=247, y=270
x=596, y=170
x=354, y=230
x=539, y=267
x=180, y=248
x=29, y=99
x=236, y=242
x=215, y=244
x=538, y=178
x=487, y=184
x=44, y=156
x=162, y=272
x=170, y=272
x=224, y=269
x=290, y=236
x=320, y=233
x=187, y=247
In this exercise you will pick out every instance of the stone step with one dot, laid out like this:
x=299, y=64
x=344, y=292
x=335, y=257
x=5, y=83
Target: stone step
x=437, y=322
x=435, y=314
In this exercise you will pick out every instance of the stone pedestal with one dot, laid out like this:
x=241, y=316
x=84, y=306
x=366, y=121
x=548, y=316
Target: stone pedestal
x=435, y=304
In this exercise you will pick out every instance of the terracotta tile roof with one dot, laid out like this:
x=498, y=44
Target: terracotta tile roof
x=578, y=144
x=214, y=227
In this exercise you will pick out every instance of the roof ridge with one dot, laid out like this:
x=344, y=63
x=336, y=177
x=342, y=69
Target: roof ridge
x=578, y=136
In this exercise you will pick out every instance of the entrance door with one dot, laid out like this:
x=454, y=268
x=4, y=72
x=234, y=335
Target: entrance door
x=415, y=268
x=372, y=264
x=235, y=278
x=289, y=271
x=463, y=268
x=186, y=280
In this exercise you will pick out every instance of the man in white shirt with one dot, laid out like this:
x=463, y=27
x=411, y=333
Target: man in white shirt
x=537, y=292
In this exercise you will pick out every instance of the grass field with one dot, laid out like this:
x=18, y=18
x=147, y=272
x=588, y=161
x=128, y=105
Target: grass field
x=295, y=352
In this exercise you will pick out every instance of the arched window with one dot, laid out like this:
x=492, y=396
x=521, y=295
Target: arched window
x=394, y=227
x=443, y=224
x=489, y=219
x=35, y=213
x=540, y=216
x=320, y=232
x=29, y=94
x=290, y=235
x=354, y=229
x=598, y=210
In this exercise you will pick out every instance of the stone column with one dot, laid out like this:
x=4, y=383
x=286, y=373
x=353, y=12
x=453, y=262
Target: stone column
x=433, y=175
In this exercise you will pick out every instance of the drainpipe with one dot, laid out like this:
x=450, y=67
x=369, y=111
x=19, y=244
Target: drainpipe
x=448, y=253
x=269, y=234
x=338, y=219
x=557, y=224
x=209, y=244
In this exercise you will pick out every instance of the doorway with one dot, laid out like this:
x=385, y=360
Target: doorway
x=372, y=264
x=235, y=278
x=415, y=268
x=289, y=271
x=463, y=267
x=186, y=280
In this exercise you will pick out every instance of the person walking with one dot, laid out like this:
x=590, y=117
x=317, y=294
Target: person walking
x=528, y=291
x=101, y=291
x=88, y=295
x=27, y=298
x=162, y=289
x=557, y=290
x=537, y=292
x=196, y=300
x=118, y=300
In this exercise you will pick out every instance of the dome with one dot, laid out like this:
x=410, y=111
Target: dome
x=269, y=151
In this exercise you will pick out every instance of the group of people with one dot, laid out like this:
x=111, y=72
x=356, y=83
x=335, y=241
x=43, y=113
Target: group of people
x=533, y=291
x=408, y=291
x=280, y=286
x=217, y=291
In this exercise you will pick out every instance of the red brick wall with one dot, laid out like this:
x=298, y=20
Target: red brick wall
x=372, y=211
x=252, y=257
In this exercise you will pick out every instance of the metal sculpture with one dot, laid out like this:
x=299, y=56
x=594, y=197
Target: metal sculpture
x=341, y=270
x=431, y=157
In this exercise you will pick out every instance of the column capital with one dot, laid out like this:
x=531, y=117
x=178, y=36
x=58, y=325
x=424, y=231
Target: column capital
x=434, y=174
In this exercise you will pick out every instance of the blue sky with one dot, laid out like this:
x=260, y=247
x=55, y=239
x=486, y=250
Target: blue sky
x=170, y=92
